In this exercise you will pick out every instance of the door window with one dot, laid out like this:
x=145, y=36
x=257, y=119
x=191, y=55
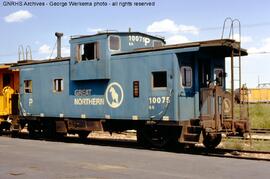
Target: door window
x=186, y=76
x=218, y=76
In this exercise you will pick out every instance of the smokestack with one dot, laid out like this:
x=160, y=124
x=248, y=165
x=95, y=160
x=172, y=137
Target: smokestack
x=58, y=35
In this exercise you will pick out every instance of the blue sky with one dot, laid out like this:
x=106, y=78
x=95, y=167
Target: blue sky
x=177, y=20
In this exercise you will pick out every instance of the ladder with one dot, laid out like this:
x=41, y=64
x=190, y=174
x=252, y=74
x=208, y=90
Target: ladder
x=235, y=64
x=24, y=55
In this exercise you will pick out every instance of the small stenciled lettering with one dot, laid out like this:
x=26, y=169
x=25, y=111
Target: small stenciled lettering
x=82, y=92
x=89, y=101
x=30, y=101
x=138, y=39
x=159, y=100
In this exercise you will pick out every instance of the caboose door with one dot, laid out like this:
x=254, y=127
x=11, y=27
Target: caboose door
x=186, y=94
x=211, y=97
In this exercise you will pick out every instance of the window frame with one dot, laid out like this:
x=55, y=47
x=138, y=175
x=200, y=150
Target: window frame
x=152, y=80
x=136, y=89
x=80, y=52
x=55, y=82
x=29, y=86
x=162, y=44
x=109, y=43
x=181, y=77
x=223, y=77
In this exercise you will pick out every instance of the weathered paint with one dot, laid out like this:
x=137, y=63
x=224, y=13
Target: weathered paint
x=105, y=86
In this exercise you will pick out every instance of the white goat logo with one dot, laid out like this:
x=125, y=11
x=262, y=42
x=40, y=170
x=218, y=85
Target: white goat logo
x=114, y=95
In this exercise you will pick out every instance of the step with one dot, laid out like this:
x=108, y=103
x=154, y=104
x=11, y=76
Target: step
x=189, y=142
x=193, y=129
x=191, y=137
x=195, y=122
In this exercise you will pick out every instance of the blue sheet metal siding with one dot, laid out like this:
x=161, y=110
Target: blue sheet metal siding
x=90, y=69
x=101, y=68
x=152, y=62
x=125, y=70
x=44, y=99
x=187, y=95
x=52, y=104
x=134, y=41
x=25, y=98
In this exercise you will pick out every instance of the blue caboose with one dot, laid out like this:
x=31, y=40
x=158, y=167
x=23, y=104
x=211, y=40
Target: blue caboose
x=115, y=81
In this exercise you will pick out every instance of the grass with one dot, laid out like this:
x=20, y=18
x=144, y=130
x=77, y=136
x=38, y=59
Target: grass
x=238, y=144
x=259, y=115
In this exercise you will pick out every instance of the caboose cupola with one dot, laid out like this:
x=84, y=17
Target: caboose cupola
x=91, y=54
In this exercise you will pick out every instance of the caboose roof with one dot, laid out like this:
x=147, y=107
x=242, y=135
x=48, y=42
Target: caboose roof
x=31, y=62
x=220, y=46
x=118, y=33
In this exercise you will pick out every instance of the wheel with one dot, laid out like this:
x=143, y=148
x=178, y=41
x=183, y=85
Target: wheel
x=1, y=130
x=33, y=130
x=83, y=134
x=15, y=130
x=14, y=134
x=157, y=136
x=60, y=136
x=141, y=139
x=211, y=141
x=49, y=131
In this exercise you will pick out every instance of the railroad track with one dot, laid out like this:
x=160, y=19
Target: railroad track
x=260, y=130
x=130, y=142
x=253, y=138
x=262, y=134
x=237, y=154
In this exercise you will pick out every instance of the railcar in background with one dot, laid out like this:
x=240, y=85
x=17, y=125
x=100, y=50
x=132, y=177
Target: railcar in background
x=9, y=88
x=117, y=81
x=253, y=95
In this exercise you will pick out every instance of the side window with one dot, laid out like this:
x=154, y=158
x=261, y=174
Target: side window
x=89, y=51
x=27, y=86
x=157, y=43
x=186, y=73
x=114, y=43
x=159, y=79
x=58, y=85
x=219, y=76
